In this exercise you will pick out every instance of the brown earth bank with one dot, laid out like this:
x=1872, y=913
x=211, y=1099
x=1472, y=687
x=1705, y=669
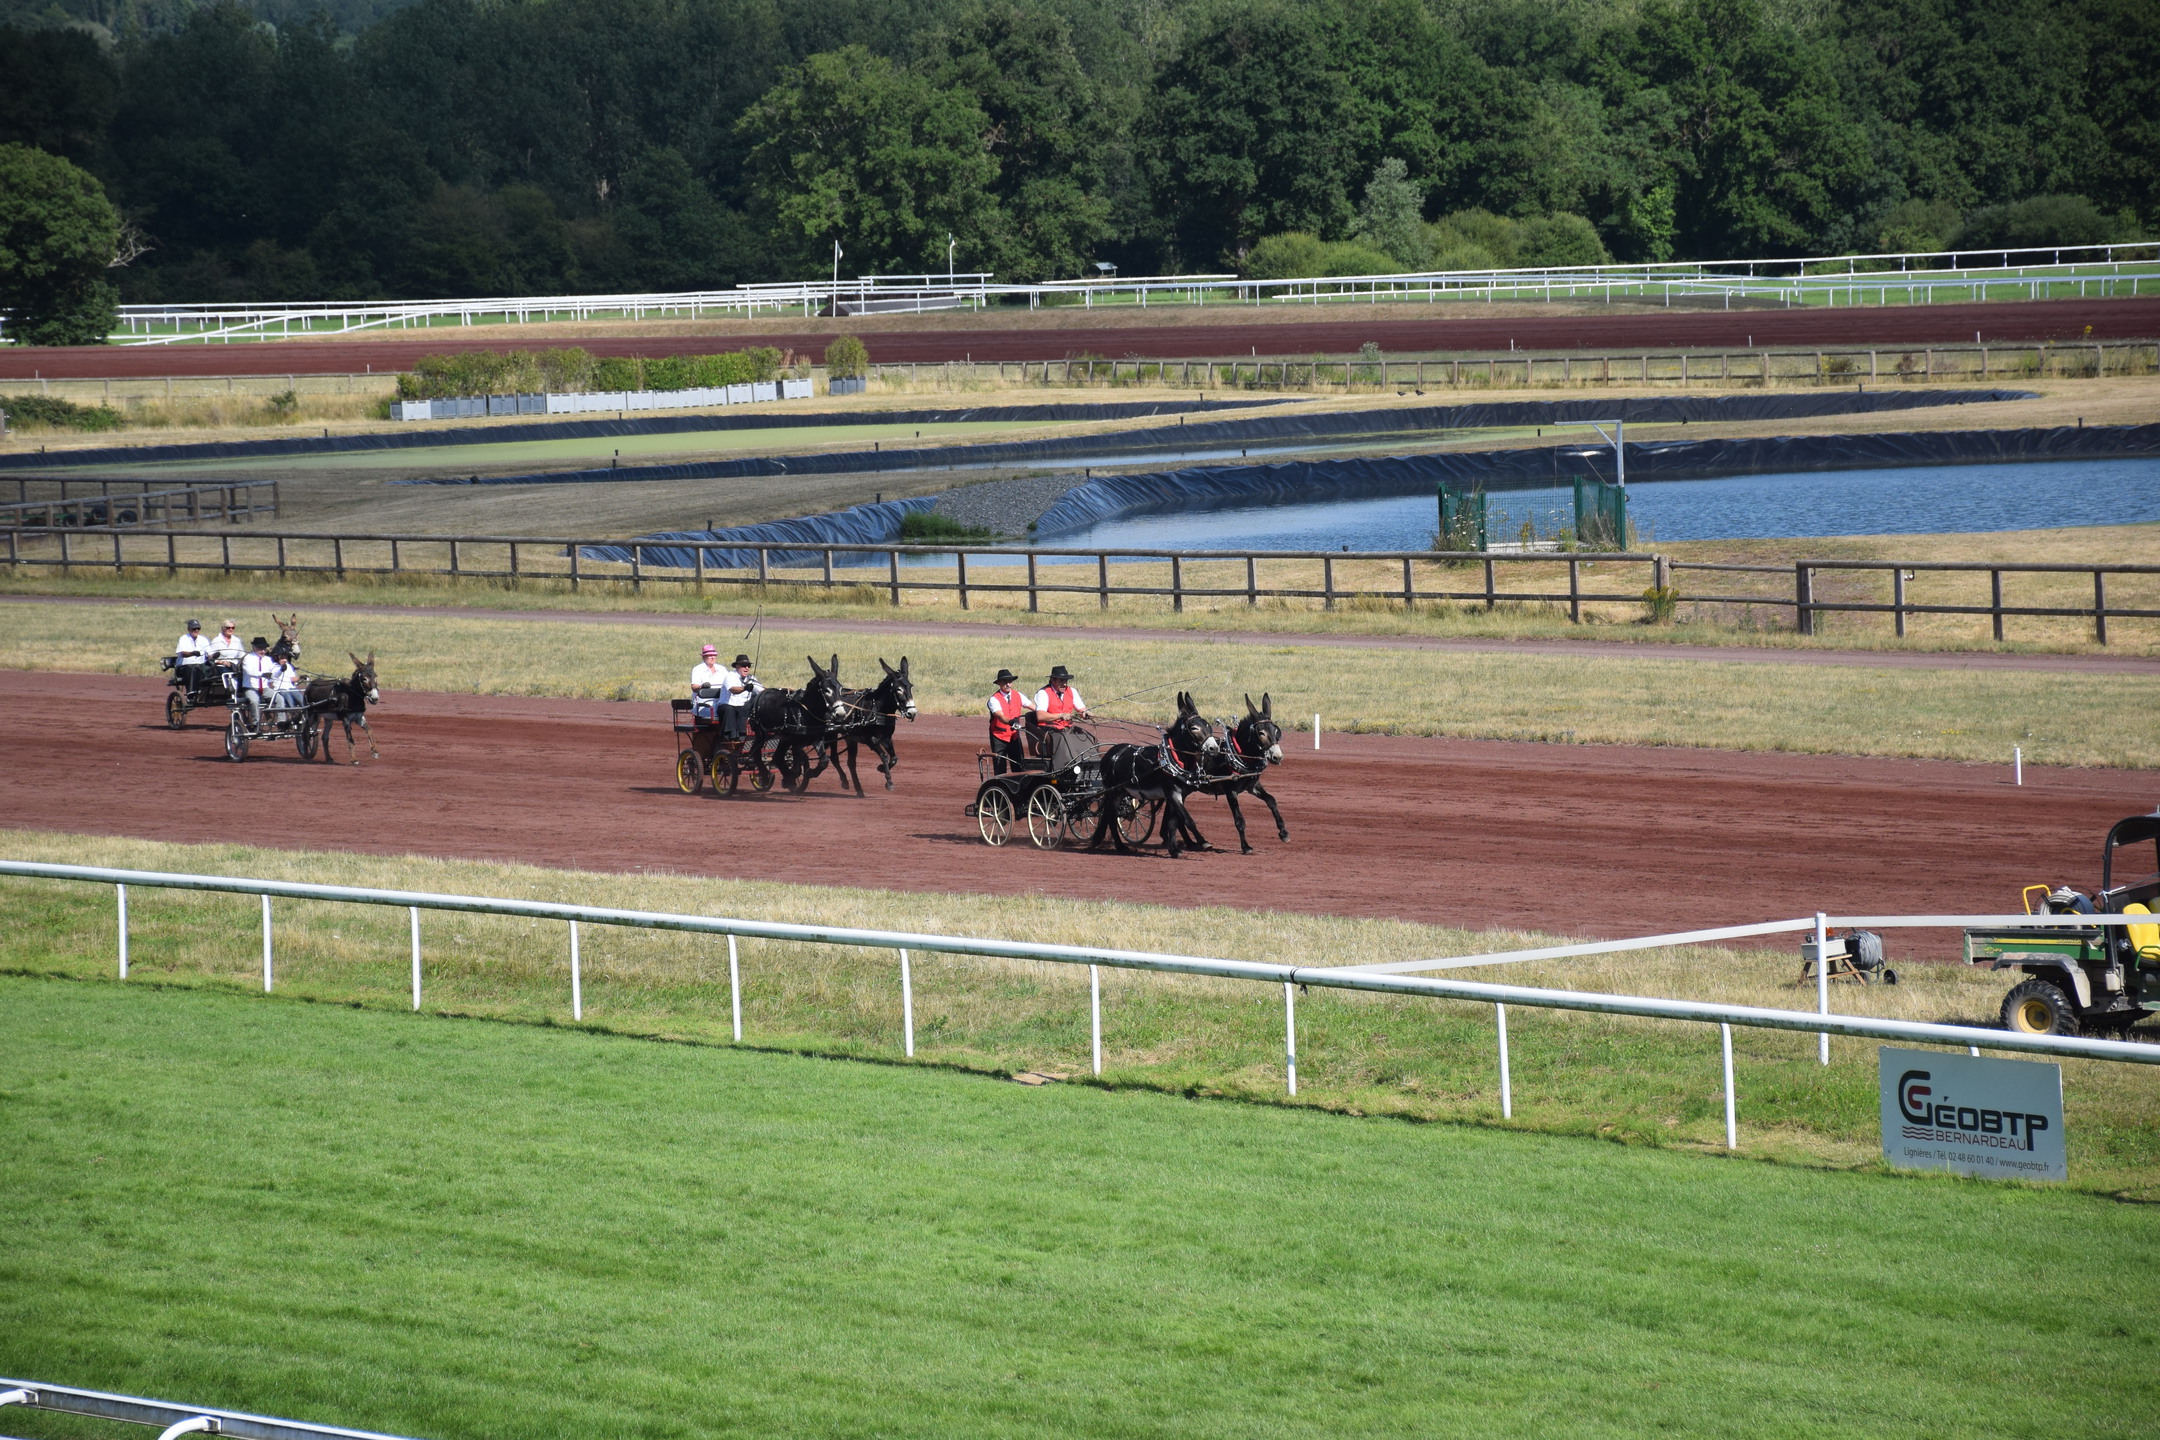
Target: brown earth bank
x=1320, y=330
x=1577, y=840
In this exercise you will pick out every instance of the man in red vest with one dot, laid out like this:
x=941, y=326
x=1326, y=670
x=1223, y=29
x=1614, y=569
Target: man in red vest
x=1057, y=705
x=1006, y=705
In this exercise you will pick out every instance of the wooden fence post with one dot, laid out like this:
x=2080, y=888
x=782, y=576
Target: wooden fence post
x=1409, y=595
x=961, y=556
x=1252, y=581
x=2100, y=606
x=1574, y=590
x=1491, y=599
x=1327, y=582
x=894, y=557
x=1803, y=598
x=1897, y=598
x=1177, y=584
x=1995, y=600
x=1032, y=605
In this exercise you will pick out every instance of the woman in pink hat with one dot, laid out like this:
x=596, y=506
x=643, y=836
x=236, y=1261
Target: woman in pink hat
x=708, y=685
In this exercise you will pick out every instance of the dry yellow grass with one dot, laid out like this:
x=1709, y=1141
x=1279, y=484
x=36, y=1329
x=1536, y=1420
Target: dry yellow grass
x=1632, y=696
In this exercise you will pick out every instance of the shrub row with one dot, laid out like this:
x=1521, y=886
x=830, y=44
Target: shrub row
x=563, y=372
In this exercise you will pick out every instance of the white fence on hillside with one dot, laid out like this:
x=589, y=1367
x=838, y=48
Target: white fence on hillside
x=1398, y=978
x=601, y=401
x=1918, y=277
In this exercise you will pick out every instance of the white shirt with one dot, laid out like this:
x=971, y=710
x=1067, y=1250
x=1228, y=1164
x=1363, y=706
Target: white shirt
x=190, y=649
x=259, y=669
x=742, y=688
x=225, y=647
x=284, y=676
x=1041, y=703
x=717, y=676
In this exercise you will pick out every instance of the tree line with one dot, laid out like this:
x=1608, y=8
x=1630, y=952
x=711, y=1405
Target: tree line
x=472, y=147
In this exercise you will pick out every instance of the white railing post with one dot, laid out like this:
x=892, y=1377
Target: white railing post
x=1316, y=732
x=266, y=944
x=122, y=890
x=734, y=989
x=907, y=1004
x=415, y=956
x=1732, y=1123
x=577, y=981
x=1289, y=1015
x=1822, y=979
x=1507, y=1091
x=1095, y=1015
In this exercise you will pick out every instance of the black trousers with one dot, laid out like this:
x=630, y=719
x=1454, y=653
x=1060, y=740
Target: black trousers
x=1002, y=751
x=731, y=720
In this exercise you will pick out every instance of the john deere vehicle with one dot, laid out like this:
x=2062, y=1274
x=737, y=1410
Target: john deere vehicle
x=2106, y=977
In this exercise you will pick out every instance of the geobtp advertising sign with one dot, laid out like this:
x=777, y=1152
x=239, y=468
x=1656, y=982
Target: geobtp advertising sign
x=1972, y=1116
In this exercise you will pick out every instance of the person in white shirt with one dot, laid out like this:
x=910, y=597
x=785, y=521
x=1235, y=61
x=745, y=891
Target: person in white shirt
x=286, y=692
x=225, y=647
x=708, y=685
x=258, y=672
x=743, y=687
x=1057, y=704
x=190, y=649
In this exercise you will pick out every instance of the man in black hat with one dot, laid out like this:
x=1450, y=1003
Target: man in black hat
x=1057, y=704
x=1006, y=706
x=258, y=676
x=742, y=688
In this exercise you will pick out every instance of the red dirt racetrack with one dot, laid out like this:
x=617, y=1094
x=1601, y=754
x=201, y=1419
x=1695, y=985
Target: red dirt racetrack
x=1331, y=330
x=1585, y=840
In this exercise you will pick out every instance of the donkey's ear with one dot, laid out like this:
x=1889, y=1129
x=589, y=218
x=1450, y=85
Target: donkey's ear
x=1267, y=705
x=886, y=668
x=834, y=669
x=1248, y=706
x=358, y=663
x=815, y=668
x=903, y=666
x=371, y=659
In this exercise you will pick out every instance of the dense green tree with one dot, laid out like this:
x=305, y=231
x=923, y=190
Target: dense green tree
x=58, y=91
x=58, y=237
x=1391, y=217
x=1053, y=132
x=853, y=149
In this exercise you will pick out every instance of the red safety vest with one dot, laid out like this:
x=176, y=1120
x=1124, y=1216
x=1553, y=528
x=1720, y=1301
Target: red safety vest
x=1004, y=710
x=1059, y=712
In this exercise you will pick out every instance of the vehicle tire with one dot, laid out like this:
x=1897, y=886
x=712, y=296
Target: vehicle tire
x=994, y=816
x=236, y=737
x=176, y=710
x=1046, y=818
x=2039, y=1007
x=724, y=772
x=1135, y=818
x=304, y=739
x=761, y=779
x=1889, y=976
x=689, y=772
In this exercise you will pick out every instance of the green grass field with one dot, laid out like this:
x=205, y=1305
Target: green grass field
x=451, y=1228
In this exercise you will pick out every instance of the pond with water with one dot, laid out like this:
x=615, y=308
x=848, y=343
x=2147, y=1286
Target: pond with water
x=1926, y=499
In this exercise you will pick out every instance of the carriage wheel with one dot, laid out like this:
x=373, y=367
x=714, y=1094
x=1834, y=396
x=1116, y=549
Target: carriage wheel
x=689, y=772
x=1046, y=818
x=994, y=816
x=236, y=737
x=304, y=738
x=761, y=778
x=1135, y=818
x=726, y=772
x=176, y=710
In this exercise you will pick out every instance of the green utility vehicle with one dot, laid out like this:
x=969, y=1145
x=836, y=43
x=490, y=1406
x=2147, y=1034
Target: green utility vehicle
x=2105, y=977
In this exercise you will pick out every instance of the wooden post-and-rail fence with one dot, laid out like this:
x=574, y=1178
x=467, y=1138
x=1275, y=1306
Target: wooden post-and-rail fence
x=107, y=504
x=1424, y=574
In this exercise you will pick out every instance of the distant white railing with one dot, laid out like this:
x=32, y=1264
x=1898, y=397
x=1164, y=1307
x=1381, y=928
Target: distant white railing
x=1394, y=978
x=1916, y=277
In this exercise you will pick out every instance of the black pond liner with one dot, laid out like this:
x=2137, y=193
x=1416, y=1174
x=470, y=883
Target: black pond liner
x=1423, y=422
x=1110, y=497
x=609, y=429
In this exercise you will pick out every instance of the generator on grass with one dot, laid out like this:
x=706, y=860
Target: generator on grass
x=2079, y=980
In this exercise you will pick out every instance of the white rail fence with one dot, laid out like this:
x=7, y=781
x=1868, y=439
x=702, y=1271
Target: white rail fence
x=1397, y=978
x=1918, y=277
x=172, y=1420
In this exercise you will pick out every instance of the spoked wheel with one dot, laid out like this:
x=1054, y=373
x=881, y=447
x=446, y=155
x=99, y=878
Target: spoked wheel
x=304, y=738
x=236, y=737
x=1046, y=818
x=725, y=771
x=994, y=816
x=689, y=772
x=1135, y=818
x=176, y=710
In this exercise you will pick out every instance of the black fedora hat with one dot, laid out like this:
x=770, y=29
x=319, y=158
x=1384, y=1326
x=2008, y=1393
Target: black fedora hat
x=1005, y=677
x=1059, y=672
x=742, y=659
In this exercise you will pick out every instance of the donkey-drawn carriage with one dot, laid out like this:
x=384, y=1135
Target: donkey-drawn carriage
x=706, y=755
x=792, y=735
x=1068, y=787
x=1056, y=790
